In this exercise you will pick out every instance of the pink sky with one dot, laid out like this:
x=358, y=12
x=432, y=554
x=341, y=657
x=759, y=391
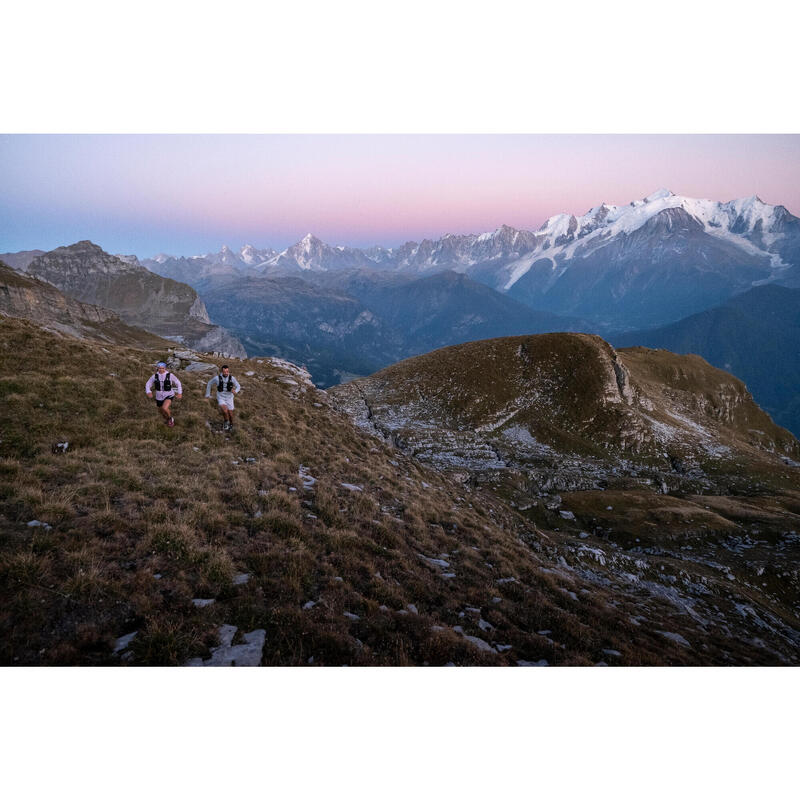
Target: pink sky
x=190, y=194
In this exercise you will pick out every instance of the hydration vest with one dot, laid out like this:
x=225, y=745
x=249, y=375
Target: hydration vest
x=167, y=387
x=221, y=383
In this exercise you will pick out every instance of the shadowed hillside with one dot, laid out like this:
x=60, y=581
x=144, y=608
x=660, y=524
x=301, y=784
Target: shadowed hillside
x=754, y=335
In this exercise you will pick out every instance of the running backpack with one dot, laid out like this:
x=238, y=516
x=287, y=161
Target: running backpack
x=167, y=387
x=221, y=385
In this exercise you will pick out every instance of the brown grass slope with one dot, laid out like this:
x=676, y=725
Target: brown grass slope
x=142, y=519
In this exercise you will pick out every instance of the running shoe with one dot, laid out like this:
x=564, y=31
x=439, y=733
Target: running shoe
x=171, y=422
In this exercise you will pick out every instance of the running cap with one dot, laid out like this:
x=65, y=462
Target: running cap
x=161, y=364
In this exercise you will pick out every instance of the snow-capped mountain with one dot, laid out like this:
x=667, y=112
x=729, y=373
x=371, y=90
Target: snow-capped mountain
x=252, y=256
x=647, y=263
x=196, y=270
x=248, y=256
x=655, y=260
x=312, y=254
x=750, y=224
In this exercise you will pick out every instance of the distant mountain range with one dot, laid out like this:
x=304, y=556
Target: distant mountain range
x=645, y=264
x=353, y=322
x=754, y=335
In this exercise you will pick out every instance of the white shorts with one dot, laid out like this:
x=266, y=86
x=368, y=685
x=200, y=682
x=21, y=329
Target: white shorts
x=225, y=399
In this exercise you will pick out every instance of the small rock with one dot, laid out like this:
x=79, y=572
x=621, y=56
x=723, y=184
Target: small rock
x=479, y=643
x=200, y=602
x=200, y=366
x=542, y=663
x=240, y=655
x=675, y=637
x=123, y=642
x=241, y=578
x=351, y=616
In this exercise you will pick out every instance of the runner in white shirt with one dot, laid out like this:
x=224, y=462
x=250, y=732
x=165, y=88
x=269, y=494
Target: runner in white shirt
x=227, y=386
x=166, y=386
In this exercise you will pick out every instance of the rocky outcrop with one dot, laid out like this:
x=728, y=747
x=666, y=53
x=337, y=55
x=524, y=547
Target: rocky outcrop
x=567, y=412
x=219, y=341
x=141, y=298
x=35, y=300
x=19, y=261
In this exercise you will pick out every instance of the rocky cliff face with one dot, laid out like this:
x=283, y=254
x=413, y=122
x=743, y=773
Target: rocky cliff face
x=19, y=261
x=28, y=298
x=141, y=298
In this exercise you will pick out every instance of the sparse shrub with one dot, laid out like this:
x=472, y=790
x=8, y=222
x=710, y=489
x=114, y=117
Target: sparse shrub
x=26, y=567
x=281, y=525
x=166, y=643
x=278, y=500
x=176, y=542
x=86, y=582
x=216, y=566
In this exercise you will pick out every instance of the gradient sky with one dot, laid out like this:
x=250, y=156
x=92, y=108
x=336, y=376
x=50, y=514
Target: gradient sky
x=189, y=194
